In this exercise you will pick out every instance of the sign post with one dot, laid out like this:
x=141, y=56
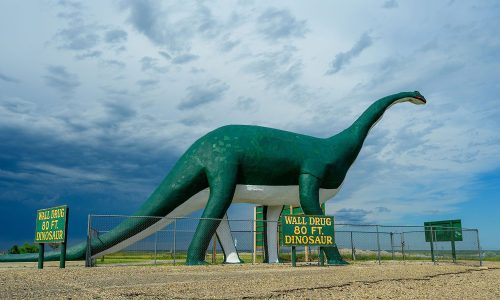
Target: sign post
x=321, y=256
x=432, y=246
x=41, y=253
x=303, y=230
x=51, y=227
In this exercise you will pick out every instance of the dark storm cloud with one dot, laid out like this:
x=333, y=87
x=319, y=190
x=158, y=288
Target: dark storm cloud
x=279, y=69
x=89, y=54
x=195, y=70
x=206, y=24
x=202, y=94
x=382, y=209
x=78, y=37
x=227, y=44
x=352, y=215
x=390, y=4
x=193, y=120
x=61, y=80
x=165, y=55
x=114, y=92
x=116, y=36
x=148, y=18
x=152, y=64
x=344, y=58
x=9, y=79
x=144, y=17
x=119, y=111
x=184, y=58
x=148, y=83
x=113, y=63
x=358, y=216
x=70, y=4
x=17, y=105
x=104, y=176
x=164, y=29
x=277, y=24
x=246, y=104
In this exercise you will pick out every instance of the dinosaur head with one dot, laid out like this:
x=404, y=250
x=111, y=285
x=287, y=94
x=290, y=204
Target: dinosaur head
x=417, y=98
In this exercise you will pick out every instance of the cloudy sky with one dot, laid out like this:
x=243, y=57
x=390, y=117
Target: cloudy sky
x=98, y=99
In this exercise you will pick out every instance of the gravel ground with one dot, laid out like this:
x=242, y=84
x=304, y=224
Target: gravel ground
x=356, y=281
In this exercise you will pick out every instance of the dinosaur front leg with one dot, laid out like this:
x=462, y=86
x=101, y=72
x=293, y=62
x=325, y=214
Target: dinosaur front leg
x=309, y=200
x=222, y=186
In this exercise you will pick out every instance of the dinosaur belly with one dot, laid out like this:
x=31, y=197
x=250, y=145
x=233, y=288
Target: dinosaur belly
x=262, y=195
x=275, y=195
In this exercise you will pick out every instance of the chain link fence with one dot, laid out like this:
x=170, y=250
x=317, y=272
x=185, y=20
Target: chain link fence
x=157, y=240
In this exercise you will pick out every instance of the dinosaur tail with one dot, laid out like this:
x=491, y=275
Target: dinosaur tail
x=76, y=252
x=184, y=181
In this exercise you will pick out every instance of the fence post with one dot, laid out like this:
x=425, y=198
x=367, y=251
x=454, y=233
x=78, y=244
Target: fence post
x=156, y=243
x=479, y=249
x=88, y=253
x=378, y=245
x=175, y=229
x=432, y=246
x=353, y=251
x=403, y=245
x=214, y=249
x=254, y=254
x=392, y=245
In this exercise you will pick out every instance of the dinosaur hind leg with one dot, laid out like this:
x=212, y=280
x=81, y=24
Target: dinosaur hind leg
x=222, y=186
x=272, y=216
x=226, y=240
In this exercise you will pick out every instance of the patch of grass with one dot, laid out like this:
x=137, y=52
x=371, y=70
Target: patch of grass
x=162, y=257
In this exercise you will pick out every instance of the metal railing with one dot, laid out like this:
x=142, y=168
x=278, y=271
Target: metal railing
x=166, y=241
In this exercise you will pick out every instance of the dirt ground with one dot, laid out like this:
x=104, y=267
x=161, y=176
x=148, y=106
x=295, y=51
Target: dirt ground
x=391, y=280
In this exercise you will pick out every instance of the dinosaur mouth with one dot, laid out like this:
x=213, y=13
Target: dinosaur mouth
x=421, y=99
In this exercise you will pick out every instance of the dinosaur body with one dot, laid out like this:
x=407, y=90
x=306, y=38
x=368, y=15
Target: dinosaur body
x=248, y=164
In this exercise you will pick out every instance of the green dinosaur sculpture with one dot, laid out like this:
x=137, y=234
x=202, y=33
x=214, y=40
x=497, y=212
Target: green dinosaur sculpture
x=250, y=164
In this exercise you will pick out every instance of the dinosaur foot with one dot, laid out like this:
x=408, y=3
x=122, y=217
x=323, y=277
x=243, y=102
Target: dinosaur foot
x=195, y=262
x=337, y=262
x=240, y=261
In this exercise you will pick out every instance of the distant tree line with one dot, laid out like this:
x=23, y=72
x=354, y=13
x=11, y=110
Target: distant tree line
x=26, y=248
x=29, y=248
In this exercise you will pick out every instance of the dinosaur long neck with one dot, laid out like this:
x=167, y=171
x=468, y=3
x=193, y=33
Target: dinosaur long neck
x=371, y=115
x=353, y=137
